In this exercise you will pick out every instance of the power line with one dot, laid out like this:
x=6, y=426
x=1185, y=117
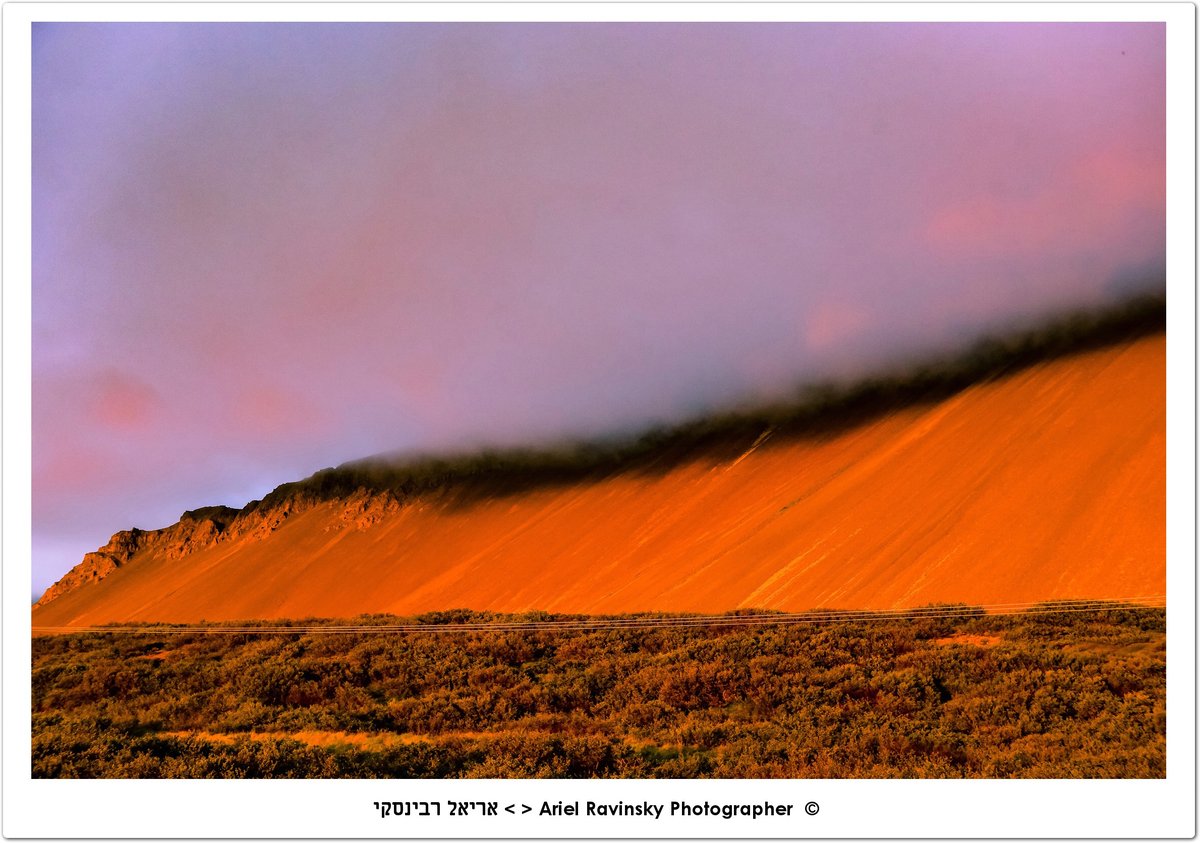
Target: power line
x=674, y=622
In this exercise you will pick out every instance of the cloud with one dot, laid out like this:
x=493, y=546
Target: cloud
x=263, y=413
x=122, y=403
x=1105, y=194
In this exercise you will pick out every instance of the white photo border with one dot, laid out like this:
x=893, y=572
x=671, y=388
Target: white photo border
x=856, y=809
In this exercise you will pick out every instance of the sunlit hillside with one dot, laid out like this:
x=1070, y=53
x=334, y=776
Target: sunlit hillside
x=1046, y=483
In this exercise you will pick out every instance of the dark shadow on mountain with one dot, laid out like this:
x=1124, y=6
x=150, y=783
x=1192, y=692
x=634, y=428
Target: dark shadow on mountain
x=815, y=412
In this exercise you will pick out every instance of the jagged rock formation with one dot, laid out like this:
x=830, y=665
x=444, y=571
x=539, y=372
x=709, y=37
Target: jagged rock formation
x=98, y=564
x=198, y=529
x=195, y=530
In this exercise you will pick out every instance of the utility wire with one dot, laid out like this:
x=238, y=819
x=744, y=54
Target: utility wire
x=680, y=621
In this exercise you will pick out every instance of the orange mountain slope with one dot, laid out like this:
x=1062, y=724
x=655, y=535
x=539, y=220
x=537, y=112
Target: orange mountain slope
x=1046, y=484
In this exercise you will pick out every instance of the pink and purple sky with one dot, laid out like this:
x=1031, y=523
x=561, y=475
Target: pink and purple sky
x=260, y=250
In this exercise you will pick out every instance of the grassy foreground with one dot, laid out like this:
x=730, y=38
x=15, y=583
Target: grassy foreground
x=1071, y=694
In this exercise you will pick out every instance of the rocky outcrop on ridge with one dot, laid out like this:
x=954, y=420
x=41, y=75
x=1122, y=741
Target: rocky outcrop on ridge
x=198, y=529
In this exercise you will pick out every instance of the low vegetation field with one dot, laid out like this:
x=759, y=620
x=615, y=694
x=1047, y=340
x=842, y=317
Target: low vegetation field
x=947, y=692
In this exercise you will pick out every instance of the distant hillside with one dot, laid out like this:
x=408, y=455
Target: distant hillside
x=1031, y=468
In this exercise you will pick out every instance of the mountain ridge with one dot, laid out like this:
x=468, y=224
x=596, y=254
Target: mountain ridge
x=364, y=493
